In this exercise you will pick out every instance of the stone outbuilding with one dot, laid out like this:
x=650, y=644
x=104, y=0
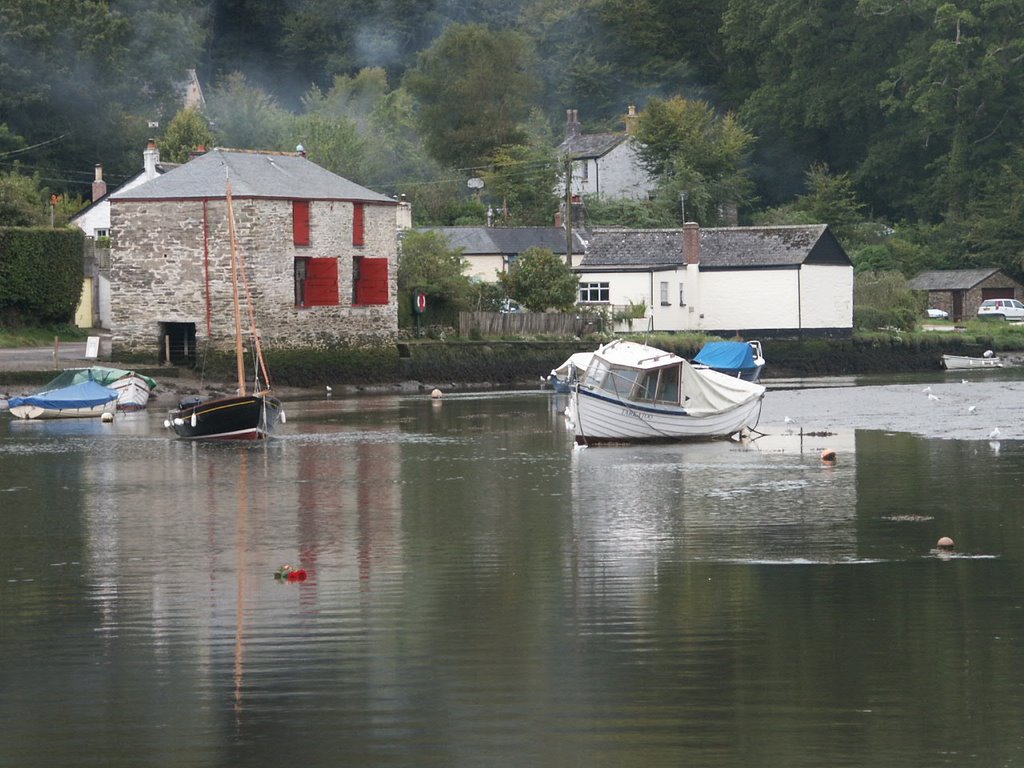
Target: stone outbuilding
x=751, y=281
x=961, y=291
x=319, y=253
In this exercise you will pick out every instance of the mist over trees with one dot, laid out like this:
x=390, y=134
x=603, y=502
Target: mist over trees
x=900, y=123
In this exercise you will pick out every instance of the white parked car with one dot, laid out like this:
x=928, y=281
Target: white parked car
x=938, y=314
x=1001, y=309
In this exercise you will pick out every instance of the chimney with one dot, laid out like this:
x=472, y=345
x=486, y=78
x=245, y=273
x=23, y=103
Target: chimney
x=630, y=120
x=572, y=124
x=99, y=186
x=691, y=243
x=197, y=152
x=150, y=159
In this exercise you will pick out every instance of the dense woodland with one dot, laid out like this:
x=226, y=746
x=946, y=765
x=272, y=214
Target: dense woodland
x=898, y=122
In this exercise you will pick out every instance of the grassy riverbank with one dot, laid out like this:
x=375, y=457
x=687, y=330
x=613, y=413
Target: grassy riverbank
x=507, y=362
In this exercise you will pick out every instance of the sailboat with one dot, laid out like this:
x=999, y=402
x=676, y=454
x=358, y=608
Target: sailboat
x=246, y=415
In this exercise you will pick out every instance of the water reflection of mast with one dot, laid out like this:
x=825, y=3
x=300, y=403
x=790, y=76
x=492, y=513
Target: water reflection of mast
x=241, y=534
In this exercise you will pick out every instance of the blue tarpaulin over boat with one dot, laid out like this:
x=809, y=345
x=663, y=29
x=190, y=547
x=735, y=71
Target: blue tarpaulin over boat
x=727, y=355
x=88, y=394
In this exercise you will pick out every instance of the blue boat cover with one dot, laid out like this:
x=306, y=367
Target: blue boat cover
x=85, y=395
x=727, y=355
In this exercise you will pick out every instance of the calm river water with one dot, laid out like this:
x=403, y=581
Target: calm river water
x=479, y=593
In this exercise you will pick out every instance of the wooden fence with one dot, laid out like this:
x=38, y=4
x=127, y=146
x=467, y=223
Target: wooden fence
x=504, y=324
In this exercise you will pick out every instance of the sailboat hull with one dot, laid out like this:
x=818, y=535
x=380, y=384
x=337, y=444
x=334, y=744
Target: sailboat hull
x=251, y=417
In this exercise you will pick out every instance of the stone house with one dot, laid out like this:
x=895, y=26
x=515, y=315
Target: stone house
x=606, y=165
x=319, y=256
x=961, y=291
x=491, y=250
x=751, y=281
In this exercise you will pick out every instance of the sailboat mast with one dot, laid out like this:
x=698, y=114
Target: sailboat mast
x=240, y=360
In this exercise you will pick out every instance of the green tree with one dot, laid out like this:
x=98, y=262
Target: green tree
x=632, y=214
x=995, y=225
x=80, y=79
x=540, y=281
x=429, y=264
x=22, y=201
x=522, y=178
x=473, y=88
x=246, y=117
x=186, y=133
x=693, y=150
x=334, y=143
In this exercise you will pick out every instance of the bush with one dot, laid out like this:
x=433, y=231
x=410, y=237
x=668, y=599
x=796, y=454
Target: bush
x=40, y=274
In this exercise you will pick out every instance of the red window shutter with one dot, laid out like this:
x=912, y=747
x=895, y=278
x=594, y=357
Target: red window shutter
x=321, y=283
x=357, y=224
x=300, y=221
x=372, y=287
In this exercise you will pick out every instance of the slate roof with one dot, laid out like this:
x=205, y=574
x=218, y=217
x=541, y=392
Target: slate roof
x=161, y=168
x=590, y=145
x=721, y=248
x=485, y=241
x=950, y=279
x=253, y=174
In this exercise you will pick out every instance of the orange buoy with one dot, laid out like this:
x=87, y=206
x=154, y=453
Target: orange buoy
x=828, y=455
x=945, y=543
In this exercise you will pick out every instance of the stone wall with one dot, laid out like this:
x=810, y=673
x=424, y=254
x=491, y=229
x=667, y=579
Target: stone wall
x=170, y=263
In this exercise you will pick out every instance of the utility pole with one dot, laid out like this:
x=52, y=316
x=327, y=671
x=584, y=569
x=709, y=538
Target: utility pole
x=568, y=209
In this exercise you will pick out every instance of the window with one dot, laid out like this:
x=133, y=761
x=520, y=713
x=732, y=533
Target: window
x=300, y=222
x=370, y=281
x=102, y=233
x=316, y=282
x=661, y=385
x=358, y=237
x=664, y=294
x=591, y=293
x=682, y=296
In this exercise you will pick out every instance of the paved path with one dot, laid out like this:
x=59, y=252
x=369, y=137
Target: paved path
x=68, y=354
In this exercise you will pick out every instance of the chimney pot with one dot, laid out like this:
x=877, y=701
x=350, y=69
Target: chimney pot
x=572, y=124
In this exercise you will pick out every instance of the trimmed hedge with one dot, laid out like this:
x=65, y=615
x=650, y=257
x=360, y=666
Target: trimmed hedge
x=40, y=274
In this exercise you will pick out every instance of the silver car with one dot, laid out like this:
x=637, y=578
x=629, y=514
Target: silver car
x=1001, y=309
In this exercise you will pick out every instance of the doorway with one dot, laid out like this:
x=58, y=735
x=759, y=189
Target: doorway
x=178, y=343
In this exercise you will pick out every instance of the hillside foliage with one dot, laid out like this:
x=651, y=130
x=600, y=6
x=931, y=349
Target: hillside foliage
x=898, y=123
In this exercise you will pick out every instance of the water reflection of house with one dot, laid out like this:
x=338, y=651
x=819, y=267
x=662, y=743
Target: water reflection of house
x=320, y=252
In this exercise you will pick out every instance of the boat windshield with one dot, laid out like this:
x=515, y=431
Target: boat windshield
x=616, y=379
x=660, y=384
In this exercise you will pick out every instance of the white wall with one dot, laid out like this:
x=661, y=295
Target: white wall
x=827, y=296
x=617, y=174
x=750, y=299
x=785, y=299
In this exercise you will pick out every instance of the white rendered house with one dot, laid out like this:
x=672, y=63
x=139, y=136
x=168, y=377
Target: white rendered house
x=748, y=281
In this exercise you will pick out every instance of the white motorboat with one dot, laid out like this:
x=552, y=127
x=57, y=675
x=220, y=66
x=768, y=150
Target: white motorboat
x=565, y=376
x=962, y=362
x=636, y=393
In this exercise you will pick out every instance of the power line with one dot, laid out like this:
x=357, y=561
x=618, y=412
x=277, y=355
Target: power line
x=34, y=146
